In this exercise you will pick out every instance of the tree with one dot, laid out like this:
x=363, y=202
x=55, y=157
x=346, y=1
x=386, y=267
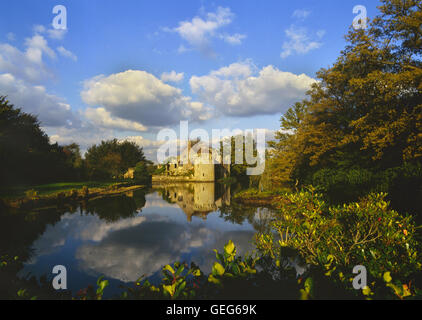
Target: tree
x=26, y=155
x=365, y=112
x=112, y=158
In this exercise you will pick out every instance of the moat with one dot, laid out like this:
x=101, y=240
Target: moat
x=133, y=234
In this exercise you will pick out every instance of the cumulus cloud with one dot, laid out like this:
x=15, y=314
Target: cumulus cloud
x=241, y=90
x=86, y=135
x=199, y=31
x=172, y=76
x=51, y=110
x=139, y=96
x=27, y=65
x=66, y=53
x=150, y=147
x=101, y=117
x=299, y=41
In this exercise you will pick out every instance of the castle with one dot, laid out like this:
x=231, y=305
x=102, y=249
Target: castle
x=194, y=165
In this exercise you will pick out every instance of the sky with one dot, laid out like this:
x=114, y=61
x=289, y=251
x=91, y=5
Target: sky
x=128, y=69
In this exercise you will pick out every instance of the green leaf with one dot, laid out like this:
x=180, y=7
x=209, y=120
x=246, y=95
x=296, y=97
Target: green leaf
x=102, y=285
x=213, y=279
x=169, y=269
x=217, y=269
x=309, y=286
x=180, y=289
x=170, y=289
x=387, y=277
x=366, y=291
x=196, y=272
x=229, y=247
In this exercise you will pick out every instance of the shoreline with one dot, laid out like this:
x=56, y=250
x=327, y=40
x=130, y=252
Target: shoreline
x=62, y=197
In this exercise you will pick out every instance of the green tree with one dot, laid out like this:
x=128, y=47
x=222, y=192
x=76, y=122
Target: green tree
x=112, y=158
x=365, y=112
x=26, y=155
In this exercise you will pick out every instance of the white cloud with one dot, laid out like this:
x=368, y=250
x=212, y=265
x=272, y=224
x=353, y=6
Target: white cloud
x=101, y=117
x=56, y=34
x=172, y=76
x=239, y=90
x=299, y=41
x=51, y=110
x=301, y=14
x=139, y=96
x=234, y=39
x=199, y=31
x=28, y=64
x=66, y=53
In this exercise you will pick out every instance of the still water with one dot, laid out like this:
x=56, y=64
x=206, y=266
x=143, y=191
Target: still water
x=134, y=234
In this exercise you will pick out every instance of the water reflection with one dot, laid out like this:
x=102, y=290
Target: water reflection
x=134, y=234
x=196, y=199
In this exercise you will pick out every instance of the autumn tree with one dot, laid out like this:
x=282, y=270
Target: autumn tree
x=364, y=115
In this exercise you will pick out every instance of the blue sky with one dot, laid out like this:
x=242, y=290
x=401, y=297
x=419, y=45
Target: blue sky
x=127, y=69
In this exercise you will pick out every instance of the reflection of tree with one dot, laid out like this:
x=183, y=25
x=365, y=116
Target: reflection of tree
x=18, y=230
x=118, y=207
x=237, y=213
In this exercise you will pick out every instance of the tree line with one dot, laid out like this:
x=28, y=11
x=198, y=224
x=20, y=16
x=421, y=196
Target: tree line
x=27, y=157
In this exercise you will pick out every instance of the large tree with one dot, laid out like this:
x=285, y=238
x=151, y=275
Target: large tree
x=26, y=155
x=112, y=158
x=365, y=112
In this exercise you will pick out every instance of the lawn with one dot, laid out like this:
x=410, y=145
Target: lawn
x=51, y=188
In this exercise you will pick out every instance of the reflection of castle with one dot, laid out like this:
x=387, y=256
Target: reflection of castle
x=197, y=199
x=196, y=163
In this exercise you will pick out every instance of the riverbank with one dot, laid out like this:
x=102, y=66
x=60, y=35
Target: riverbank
x=252, y=197
x=60, y=193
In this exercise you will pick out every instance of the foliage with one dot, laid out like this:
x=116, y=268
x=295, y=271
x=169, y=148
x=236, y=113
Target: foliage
x=364, y=115
x=26, y=155
x=337, y=238
x=142, y=173
x=111, y=159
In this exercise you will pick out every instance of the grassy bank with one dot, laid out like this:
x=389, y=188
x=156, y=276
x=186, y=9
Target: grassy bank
x=60, y=193
x=254, y=197
x=52, y=188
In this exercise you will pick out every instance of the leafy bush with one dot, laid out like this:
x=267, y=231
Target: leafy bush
x=337, y=238
x=403, y=185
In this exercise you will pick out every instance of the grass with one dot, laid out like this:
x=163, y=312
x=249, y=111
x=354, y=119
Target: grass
x=51, y=188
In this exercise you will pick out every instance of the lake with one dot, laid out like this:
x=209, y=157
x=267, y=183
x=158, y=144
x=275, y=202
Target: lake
x=126, y=236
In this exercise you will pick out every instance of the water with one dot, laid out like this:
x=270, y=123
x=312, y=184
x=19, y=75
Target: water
x=134, y=234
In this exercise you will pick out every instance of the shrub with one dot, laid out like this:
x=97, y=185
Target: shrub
x=336, y=238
